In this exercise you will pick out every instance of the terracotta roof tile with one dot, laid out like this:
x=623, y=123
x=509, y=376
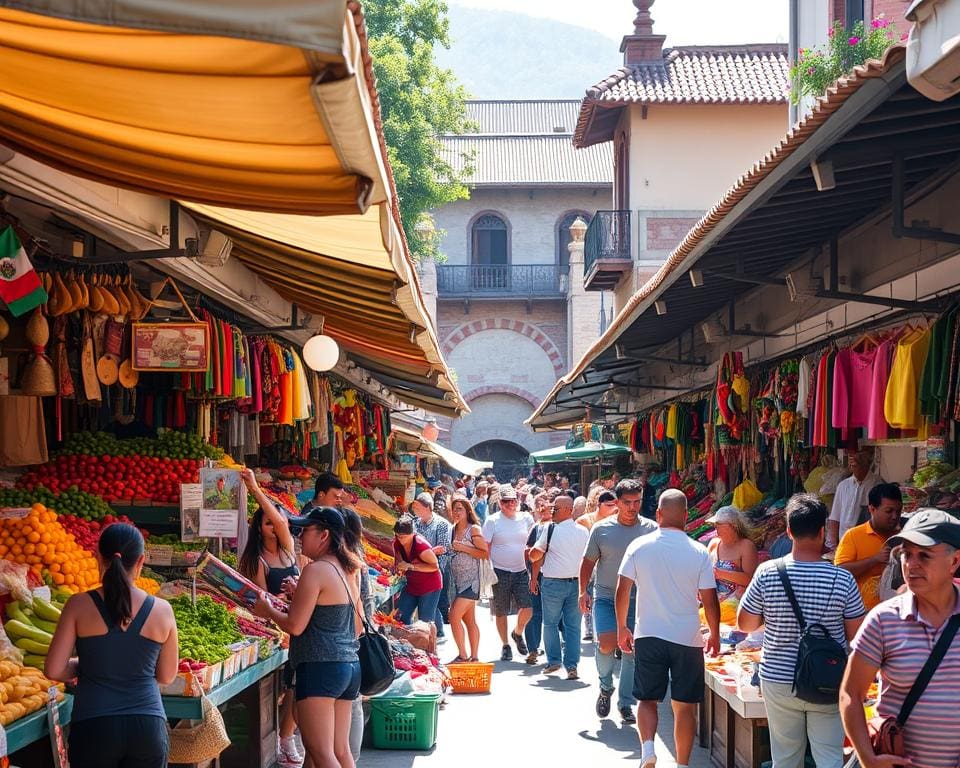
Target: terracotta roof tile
x=745, y=74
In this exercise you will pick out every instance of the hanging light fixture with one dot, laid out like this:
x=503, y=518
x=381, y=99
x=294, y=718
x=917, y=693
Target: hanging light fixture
x=321, y=353
x=431, y=431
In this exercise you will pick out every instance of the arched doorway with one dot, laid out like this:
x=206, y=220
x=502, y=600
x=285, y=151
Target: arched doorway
x=509, y=459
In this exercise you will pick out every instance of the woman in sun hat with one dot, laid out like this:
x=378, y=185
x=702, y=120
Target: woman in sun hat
x=734, y=554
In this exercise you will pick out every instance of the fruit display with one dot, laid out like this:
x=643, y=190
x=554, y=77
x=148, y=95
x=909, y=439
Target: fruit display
x=40, y=541
x=172, y=540
x=87, y=532
x=205, y=629
x=23, y=690
x=170, y=444
x=148, y=585
x=127, y=478
x=30, y=626
x=72, y=501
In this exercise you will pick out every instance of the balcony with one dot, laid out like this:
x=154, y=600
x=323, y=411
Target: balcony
x=500, y=281
x=606, y=250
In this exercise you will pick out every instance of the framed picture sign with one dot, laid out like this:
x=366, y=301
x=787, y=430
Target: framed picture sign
x=170, y=347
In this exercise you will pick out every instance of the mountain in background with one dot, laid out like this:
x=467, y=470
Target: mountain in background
x=504, y=55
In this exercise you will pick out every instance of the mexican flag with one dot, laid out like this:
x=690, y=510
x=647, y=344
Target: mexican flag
x=20, y=286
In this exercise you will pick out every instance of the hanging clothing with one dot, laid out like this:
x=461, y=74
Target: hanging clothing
x=901, y=403
x=877, y=427
x=932, y=390
x=852, y=381
x=803, y=387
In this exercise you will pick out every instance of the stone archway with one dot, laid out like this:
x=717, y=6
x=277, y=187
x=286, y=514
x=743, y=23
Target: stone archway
x=459, y=334
x=508, y=458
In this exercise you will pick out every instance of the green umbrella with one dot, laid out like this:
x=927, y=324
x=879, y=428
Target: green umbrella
x=585, y=452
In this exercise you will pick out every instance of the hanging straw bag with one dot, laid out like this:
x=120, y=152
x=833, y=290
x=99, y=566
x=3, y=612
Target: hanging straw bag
x=193, y=741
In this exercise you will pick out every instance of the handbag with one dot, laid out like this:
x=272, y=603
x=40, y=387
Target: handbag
x=194, y=741
x=886, y=733
x=488, y=578
x=377, y=670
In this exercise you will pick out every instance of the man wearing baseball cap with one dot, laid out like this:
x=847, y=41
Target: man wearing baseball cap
x=897, y=638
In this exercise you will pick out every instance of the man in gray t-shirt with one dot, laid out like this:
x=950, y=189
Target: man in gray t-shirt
x=608, y=542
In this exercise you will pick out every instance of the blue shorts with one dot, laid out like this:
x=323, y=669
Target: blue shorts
x=605, y=614
x=468, y=594
x=328, y=680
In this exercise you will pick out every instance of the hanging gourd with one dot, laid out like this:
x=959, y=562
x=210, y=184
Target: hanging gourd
x=38, y=376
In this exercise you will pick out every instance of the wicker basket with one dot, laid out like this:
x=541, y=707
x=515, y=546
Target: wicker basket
x=471, y=677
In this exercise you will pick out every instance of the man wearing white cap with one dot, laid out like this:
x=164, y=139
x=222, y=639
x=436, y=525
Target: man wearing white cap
x=506, y=533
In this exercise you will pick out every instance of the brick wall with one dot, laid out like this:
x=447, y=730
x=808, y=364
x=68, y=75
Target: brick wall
x=666, y=233
x=892, y=10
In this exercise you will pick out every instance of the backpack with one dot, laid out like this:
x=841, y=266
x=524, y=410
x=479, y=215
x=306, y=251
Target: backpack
x=821, y=660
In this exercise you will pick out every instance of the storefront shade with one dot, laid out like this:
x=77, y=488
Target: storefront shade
x=585, y=452
x=452, y=459
x=186, y=100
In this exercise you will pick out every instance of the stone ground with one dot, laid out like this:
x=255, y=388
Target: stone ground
x=530, y=719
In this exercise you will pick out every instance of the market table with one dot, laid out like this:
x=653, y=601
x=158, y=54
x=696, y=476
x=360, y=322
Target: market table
x=31, y=730
x=256, y=688
x=732, y=728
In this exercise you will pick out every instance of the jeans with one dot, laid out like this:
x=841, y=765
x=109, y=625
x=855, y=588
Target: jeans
x=424, y=605
x=561, y=601
x=533, y=632
x=794, y=722
x=604, y=619
x=443, y=604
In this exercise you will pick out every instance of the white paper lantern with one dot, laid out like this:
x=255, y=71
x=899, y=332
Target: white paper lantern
x=321, y=353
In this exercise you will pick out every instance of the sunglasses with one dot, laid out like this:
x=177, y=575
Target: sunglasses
x=297, y=532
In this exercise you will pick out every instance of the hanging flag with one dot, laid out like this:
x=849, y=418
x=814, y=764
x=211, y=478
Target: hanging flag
x=20, y=286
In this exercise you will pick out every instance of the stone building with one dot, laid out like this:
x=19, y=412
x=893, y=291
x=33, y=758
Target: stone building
x=511, y=310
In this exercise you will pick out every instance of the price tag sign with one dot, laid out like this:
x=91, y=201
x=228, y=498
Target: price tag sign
x=159, y=554
x=219, y=523
x=14, y=513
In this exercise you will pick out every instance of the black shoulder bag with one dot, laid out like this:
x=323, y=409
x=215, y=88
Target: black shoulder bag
x=821, y=660
x=377, y=670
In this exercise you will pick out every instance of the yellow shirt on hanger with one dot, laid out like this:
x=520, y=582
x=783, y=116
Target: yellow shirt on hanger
x=901, y=405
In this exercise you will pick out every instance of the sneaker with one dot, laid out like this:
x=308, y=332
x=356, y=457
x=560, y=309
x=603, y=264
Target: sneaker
x=521, y=645
x=532, y=657
x=627, y=717
x=506, y=654
x=549, y=670
x=588, y=637
x=289, y=760
x=572, y=674
x=648, y=762
x=603, y=703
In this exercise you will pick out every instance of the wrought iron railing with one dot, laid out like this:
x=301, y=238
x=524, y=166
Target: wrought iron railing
x=499, y=280
x=608, y=237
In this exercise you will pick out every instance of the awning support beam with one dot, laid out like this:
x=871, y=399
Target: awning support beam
x=172, y=251
x=744, y=278
x=916, y=232
x=881, y=301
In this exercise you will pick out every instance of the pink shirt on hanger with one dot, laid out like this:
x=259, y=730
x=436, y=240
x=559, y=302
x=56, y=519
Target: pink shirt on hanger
x=877, y=426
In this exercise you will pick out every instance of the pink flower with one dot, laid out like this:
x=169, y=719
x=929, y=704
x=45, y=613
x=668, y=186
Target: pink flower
x=904, y=36
x=853, y=40
x=811, y=70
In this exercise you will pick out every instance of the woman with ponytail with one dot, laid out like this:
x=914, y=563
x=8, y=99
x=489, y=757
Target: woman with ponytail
x=119, y=644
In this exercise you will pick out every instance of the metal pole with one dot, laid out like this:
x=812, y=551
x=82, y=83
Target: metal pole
x=793, y=52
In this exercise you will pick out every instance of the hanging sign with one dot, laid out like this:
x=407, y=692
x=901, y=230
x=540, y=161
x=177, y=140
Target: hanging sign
x=219, y=524
x=170, y=347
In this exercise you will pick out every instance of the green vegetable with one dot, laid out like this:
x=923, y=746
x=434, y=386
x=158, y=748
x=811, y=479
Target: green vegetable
x=204, y=630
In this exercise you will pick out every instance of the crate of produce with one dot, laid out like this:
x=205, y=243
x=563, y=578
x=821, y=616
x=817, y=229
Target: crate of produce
x=405, y=722
x=471, y=678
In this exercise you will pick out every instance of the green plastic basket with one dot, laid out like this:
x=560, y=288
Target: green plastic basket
x=406, y=722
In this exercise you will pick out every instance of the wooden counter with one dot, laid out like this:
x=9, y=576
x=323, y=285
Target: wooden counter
x=732, y=729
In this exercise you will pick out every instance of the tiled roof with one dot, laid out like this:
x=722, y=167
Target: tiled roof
x=744, y=74
x=835, y=97
x=522, y=143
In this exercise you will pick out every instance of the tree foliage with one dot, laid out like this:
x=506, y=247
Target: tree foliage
x=419, y=101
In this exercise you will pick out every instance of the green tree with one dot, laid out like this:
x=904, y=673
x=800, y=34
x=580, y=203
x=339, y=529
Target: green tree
x=419, y=101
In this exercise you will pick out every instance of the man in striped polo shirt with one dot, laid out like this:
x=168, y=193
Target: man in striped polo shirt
x=827, y=595
x=897, y=638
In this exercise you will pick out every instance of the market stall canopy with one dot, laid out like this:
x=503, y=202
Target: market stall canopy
x=884, y=142
x=264, y=123
x=461, y=463
x=585, y=452
x=225, y=103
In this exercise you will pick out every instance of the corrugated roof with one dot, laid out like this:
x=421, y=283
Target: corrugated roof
x=541, y=160
x=524, y=117
x=743, y=74
x=836, y=96
x=517, y=144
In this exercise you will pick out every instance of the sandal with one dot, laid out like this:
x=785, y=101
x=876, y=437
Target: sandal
x=474, y=659
x=458, y=660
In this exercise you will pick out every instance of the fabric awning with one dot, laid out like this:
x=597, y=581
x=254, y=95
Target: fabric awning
x=186, y=100
x=461, y=463
x=585, y=452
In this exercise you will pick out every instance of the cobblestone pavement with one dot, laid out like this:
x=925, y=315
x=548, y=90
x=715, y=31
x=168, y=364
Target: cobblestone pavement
x=530, y=719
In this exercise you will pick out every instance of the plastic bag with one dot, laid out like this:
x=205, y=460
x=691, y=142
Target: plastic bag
x=402, y=686
x=13, y=581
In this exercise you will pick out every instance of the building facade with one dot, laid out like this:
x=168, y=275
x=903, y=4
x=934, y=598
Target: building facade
x=683, y=124
x=511, y=309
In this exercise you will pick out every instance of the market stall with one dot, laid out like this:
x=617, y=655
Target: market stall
x=584, y=457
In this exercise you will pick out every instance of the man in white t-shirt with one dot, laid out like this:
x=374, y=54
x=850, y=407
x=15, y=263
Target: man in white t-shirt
x=851, y=499
x=506, y=532
x=557, y=554
x=670, y=572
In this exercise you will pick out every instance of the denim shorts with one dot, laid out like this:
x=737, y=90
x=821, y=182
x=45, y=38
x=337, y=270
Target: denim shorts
x=468, y=594
x=605, y=615
x=328, y=680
